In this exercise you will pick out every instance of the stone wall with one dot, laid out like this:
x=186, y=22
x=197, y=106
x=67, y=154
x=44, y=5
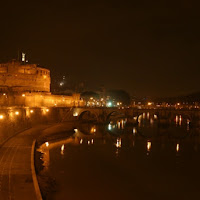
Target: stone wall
x=39, y=100
x=15, y=119
x=17, y=76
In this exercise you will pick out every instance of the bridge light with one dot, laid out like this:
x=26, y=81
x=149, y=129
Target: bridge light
x=93, y=130
x=61, y=84
x=109, y=127
x=149, y=103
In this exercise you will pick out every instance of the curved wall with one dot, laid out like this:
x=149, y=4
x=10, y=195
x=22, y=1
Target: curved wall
x=16, y=76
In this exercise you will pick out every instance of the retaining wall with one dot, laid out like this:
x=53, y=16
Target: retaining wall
x=16, y=119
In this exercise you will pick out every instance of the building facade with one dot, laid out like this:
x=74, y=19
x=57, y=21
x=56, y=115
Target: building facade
x=23, y=77
x=24, y=84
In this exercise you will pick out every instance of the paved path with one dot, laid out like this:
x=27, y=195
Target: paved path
x=15, y=166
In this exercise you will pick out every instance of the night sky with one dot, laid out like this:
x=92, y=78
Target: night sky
x=145, y=47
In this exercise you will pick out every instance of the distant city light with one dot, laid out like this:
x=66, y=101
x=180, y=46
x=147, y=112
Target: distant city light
x=109, y=104
x=23, y=57
x=61, y=83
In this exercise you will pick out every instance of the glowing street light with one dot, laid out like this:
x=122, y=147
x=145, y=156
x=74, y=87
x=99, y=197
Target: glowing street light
x=1, y=116
x=17, y=113
x=47, y=144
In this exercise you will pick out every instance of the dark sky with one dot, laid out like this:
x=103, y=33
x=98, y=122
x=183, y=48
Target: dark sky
x=146, y=47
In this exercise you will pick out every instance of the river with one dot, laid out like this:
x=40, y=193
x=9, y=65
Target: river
x=117, y=161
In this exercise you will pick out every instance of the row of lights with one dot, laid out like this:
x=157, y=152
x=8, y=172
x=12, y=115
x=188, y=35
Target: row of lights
x=2, y=116
x=17, y=113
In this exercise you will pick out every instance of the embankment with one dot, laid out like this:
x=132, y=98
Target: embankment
x=17, y=119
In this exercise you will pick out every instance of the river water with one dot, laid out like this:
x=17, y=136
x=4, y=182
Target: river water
x=117, y=161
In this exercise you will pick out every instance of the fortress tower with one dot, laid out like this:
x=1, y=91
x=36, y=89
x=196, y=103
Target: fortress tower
x=18, y=76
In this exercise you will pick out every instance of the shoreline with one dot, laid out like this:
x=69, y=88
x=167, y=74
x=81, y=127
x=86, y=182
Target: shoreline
x=47, y=184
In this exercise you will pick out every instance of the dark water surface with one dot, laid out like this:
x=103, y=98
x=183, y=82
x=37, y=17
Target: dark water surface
x=116, y=161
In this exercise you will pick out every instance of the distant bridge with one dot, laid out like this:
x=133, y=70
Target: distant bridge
x=103, y=115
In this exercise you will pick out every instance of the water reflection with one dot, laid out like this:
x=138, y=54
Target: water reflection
x=98, y=154
x=177, y=147
x=62, y=149
x=119, y=143
x=148, y=146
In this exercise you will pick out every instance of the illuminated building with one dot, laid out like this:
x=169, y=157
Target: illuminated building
x=24, y=84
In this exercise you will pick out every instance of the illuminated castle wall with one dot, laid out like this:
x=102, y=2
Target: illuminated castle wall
x=16, y=76
x=23, y=84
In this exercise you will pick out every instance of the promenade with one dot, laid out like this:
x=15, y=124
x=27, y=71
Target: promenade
x=15, y=166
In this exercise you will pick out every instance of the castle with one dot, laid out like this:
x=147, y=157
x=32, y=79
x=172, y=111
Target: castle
x=24, y=84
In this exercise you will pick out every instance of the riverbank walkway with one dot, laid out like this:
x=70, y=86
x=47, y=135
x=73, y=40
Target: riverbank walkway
x=15, y=166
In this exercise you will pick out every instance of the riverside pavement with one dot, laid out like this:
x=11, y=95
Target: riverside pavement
x=15, y=166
